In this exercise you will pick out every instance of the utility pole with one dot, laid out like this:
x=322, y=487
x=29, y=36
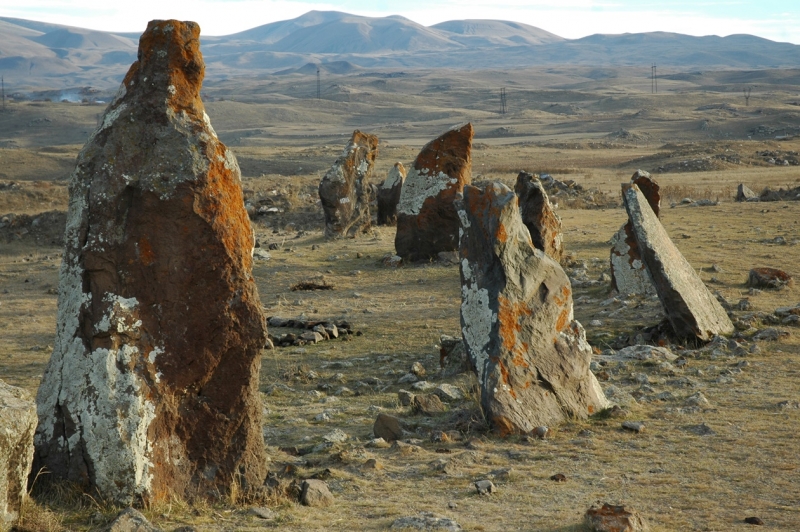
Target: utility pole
x=318, y=86
x=653, y=79
x=503, y=100
x=747, y=92
x=3, y=90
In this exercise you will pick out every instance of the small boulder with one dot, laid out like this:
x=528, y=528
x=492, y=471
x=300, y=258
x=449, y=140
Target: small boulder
x=613, y=518
x=315, y=493
x=427, y=404
x=17, y=426
x=130, y=520
x=388, y=195
x=743, y=193
x=452, y=356
x=387, y=427
x=485, y=487
x=427, y=222
x=768, y=278
x=426, y=521
x=448, y=392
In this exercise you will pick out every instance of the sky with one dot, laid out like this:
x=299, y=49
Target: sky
x=778, y=20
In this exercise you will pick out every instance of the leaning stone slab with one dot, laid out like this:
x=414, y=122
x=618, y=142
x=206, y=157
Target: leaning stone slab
x=426, y=216
x=152, y=388
x=345, y=189
x=530, y=355
x=744, y=193
x=388, y=195
x=539, y=216
x=629, y=274
x=692, y=310
x=17, y=426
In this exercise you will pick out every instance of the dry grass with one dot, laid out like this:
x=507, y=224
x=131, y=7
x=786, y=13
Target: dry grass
x=678, y=478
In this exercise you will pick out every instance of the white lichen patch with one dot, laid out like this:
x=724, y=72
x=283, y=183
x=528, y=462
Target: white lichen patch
x=418, y=187
x=111, y=116
x=393, y=178
x=477, y=319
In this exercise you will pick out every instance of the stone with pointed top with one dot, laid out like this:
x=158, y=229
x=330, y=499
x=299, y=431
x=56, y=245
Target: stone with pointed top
x=539, y=216
x=388, y=195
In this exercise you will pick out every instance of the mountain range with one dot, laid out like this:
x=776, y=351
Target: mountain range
x=38, y=55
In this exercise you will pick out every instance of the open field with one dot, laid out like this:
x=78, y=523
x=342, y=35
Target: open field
x=694, y=467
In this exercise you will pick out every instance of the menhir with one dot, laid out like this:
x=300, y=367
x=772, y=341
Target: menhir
x=427, y=223
x=629, y=275
x=151, y=390
x=345, y=189
x=529, y=353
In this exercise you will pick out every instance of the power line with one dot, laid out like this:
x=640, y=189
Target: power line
x=3, y=90
x=318, y=86
x=503, y=100
x=653, y=79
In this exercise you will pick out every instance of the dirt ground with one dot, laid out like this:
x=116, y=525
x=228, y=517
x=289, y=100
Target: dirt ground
x=695, y=466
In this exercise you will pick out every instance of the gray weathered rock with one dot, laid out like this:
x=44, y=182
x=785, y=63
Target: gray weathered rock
x=691, y=309
x=387, y=427
x=539, y=217
x=453, y=358
x=130, y=520
x=426, y=216
x=17, y=426
x=426, y=521
x=315, y=493
x=448, y=392
x=345, y=191
x=768, y=278
x=427, y=404
x=485, y=487
x=530, y=355
x=743, y=193
x=389, y=195
x=614, y=518
x=629, y=274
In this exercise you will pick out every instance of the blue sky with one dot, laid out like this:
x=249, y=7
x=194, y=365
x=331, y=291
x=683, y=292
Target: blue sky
x=773, y=19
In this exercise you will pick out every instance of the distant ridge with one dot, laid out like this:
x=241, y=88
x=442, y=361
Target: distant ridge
x=35, y=55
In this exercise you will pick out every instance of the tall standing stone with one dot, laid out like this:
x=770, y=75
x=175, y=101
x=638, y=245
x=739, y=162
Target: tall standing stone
x=426, y=216
x=531, y=357
x=17, y=426
x=389, y=195
x=151, y=390
x=539, y=216
x=691, y=309
x=629, y=274
x=345, y=189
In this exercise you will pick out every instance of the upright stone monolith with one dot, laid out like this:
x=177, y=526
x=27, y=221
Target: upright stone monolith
x=539, y=216
x=629, y=274
x=530, y=355
x=151, y=391
x=345, y=189
x=692, y=310
x=388, y=195
x=426, y=216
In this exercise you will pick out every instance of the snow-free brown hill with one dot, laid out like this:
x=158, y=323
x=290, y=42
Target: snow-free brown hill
x=35, y=56
x=476, y=32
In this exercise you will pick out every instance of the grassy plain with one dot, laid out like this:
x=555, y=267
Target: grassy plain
x=701, y=468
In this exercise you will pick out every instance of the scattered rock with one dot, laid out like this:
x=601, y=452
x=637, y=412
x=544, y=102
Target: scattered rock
x=538, y=215
x=344, y=190
x=629, y=273
x=646, y=352
x=702, y=430
x=770, y=334
x=633, y=426
x=418, y=369
x=691, y=309
x=743, y=193
x=372, y=464
x=753, y=521
x=387, y=427
x=389, y=195
x=262, y=513
x=17, y=426
x=160, y=327
x=530, y=355
x=426, y=521
x=130, y=520
x=452, y=356
x=427, y=404
x=612, y=518
x=315, y=493
x=426, y=216
x=768, y=278
x=541, y=432
x=405, y=397
x=448, y=392
x=697, y=399
x=558, y=477
x=485, y=487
